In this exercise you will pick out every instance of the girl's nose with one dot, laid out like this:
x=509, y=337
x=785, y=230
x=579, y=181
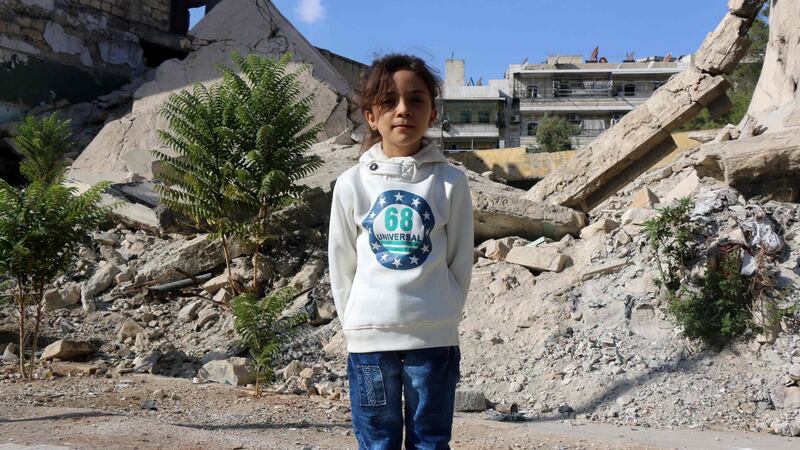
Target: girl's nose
x=402, y=108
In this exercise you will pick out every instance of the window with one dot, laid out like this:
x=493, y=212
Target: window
x=533, y=91
x=629, y=90
x=466, y=117
x=483, y=116
x=532, y=127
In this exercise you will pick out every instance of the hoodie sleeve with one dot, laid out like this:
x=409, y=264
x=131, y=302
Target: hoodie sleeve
x=460, y=236
x=342, y=255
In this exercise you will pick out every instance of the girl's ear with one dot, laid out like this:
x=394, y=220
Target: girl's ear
x=370, y=117
x=433, y=117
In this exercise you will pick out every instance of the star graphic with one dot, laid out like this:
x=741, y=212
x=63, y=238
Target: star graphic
x=376, y=246
x=426, y=215
x=397, y=262
x=427, y=232
x=384, y=256
x=425, y=248
x=372, y=215
x=398, y=197
x=382, y=201
x=415, y=202
x=414, y=260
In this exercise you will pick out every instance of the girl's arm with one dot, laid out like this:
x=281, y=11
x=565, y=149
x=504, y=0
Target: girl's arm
x=342, y=255
x=460, y=236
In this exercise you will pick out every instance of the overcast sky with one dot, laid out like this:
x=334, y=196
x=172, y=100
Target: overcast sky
x=490, y=35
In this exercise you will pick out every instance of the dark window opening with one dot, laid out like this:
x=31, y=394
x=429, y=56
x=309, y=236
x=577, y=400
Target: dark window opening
x=9, y=165
x=483, y=116
x=155, y=54
x=629, y=90
x=532, y=127
x=179, y=14
x=533, y=91
x=466, y=116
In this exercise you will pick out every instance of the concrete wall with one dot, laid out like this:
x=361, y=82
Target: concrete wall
x=351, y=70
x=75, y=49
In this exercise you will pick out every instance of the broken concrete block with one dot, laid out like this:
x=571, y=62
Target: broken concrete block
x=606, y=268
x=231, y=371
x=761, y=160
x=494, y=249
x=68, y=350
x=470, y=400
x=645, y=198
x=102, y=279
x=637, y=216
x=600, y=226
x=722, y=49
x=539, y=259
x=685, y=188
x=129, y=329
x=71, y=369
x=215, y=284
x=621, y=153
x=192, y=256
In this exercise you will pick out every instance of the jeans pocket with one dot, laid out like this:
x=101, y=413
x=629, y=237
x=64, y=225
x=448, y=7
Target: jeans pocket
x=370, y=385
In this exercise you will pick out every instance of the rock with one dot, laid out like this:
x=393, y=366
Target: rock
x=101, y=280
x=124, y=276
x=213, y=285
x=107, y=238
x=645, y=198
x=213, y=356
x=702, y=135
x=539, y=259
x=112, y=255
x=10, y=354
x=146, y=364
x=192, y=256
x=637, y=216
x=722, y=49
x=68, y=350
x=129, y=329
x=231, y=371
x=310, y=372
x=309, y=274
x=71, y=294
x=189, y=312
x=685, y=188
x=336, y=346
x=469, y=401
x=760, y=164
x=72, y=369
x=794, y=372
x=53, y=300
x=606, y=268
x=622, y=147
x=206, y=316
x=293, y=369
x=499, y=212
x=599, y=226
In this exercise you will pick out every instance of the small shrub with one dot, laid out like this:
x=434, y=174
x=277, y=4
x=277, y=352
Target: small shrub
x=263, y=331
x=554, y=134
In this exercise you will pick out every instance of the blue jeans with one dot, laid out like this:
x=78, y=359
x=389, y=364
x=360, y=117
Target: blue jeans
x=426, y=378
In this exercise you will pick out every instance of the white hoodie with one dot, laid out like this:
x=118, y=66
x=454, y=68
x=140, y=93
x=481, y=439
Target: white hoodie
x=400, y=251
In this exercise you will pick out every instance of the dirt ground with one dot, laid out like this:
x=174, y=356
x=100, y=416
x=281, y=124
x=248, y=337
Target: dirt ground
x=97, y=413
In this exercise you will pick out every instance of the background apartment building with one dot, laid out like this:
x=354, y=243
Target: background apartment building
x=593, y=95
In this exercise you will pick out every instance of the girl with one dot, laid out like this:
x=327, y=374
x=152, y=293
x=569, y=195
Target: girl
x=400, y=255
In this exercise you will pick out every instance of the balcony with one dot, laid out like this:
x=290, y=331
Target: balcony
x=467, y=130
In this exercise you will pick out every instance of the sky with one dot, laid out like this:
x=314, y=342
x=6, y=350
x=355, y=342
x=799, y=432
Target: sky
x=490, y=35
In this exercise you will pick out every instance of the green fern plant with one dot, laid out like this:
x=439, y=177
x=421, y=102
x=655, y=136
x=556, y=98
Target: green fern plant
x=262, y=331
x=240, y=149
x=41, y=226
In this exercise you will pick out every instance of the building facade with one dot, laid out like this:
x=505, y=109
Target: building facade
x=593, y=96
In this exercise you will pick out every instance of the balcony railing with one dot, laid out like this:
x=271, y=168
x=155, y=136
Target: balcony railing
x=566, y=89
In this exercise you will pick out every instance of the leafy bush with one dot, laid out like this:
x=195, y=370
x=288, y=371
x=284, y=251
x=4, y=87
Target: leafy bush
x=554, y=134
x=41, y=225
x=263, y=332
x=240, y=149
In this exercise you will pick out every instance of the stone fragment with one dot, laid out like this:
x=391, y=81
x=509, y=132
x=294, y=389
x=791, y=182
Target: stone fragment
x=206, y=316
x=685, y=188
x=53, y=300
x=125, y=275
x=592, y=175
x=309, y=274
x=215, y=284
x=102, y=279
x=722, y=49
x=495, y=249
x=637, y=216
x=599, y=226
x=231, y=371
x=146, y=363
x=189, y=312
x=192, y=256
x=68, y=350
x=72, y=369
x=539, y=259
x=129, y=329
x=222, y=296
x=71, y=295
x=606, y=268
x=759, y=164
x=293, y=369
x=107, y=238
x=470, y=400
x=645, y=198
x=10, y=353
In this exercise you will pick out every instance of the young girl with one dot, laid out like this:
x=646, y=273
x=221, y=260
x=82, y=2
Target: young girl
x=400, y=254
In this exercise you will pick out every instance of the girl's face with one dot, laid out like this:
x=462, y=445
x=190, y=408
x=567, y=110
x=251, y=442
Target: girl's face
x=404, y=115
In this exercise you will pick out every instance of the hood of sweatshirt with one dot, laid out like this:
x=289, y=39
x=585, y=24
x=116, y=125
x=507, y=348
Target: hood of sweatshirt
x=403, y=168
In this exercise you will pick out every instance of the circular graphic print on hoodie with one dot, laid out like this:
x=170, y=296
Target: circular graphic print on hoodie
x=399, y=226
